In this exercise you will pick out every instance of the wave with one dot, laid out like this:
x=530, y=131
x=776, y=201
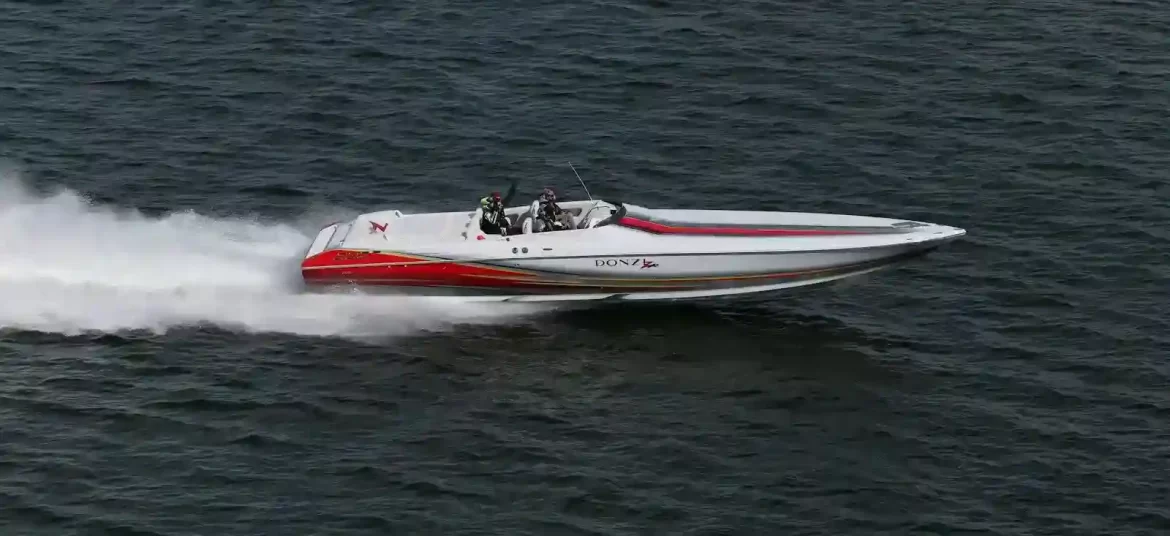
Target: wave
x=71, y=266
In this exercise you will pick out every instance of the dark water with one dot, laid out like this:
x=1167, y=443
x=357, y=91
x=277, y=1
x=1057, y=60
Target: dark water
x=158, y=375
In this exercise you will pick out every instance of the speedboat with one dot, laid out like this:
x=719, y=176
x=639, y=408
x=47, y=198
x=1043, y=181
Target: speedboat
x=608, y=251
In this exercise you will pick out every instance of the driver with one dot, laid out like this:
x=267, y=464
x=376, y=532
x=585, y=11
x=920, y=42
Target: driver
x=493, y=220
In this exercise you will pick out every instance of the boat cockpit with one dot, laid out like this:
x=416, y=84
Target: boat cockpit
x=575, y=215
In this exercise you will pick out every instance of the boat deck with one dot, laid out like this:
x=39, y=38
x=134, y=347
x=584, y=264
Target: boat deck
x=376, y=229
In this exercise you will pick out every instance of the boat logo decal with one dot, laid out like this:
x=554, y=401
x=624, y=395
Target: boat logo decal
x=348, y=255
x=377, y=227
x=641, y=264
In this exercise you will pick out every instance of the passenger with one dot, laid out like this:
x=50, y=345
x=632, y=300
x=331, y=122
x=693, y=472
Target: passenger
x=550, y=214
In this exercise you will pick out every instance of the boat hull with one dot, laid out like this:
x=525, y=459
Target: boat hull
x=649, y=257
x=692, y=277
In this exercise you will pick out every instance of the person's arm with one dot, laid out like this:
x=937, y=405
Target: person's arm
x=511, y=193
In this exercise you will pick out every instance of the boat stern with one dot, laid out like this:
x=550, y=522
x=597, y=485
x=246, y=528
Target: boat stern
x=322, y=240
x=331, y=236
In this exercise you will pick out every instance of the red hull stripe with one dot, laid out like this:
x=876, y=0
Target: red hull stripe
x=366, y=262
x=455, y=272
x=497, y=285
x=376, y=268
x=660, y=228
x=465, y=275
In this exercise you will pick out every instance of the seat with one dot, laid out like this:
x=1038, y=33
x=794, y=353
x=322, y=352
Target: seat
x=530, y=222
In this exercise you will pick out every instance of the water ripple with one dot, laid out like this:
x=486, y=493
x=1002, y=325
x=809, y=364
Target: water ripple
x=1014, y=384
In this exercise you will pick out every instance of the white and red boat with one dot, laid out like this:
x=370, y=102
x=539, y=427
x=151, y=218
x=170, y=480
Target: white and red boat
x=612, y=251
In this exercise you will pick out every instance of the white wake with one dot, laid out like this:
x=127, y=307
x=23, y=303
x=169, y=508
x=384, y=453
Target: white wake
x=70, y=266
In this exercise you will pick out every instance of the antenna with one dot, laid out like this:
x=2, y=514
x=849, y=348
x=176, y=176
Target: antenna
x=579, y=179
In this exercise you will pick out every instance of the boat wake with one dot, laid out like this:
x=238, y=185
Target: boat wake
x=69, y=266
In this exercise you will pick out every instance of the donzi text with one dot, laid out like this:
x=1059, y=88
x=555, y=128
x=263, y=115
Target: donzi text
x=641, y=264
